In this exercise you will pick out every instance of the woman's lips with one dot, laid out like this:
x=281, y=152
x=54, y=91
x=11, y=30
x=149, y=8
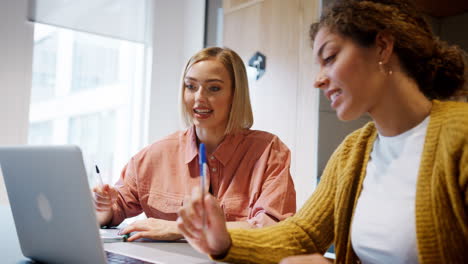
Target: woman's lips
x=202, y=113
x=333, y=96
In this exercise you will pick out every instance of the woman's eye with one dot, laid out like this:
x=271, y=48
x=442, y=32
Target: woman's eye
x=214, y=88
x=189, y=86
x=329, y=59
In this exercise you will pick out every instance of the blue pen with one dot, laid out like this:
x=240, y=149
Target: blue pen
x=203, y=167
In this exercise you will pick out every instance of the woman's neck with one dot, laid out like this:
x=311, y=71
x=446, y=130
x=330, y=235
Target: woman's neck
x=401, y=108
x=210, y=137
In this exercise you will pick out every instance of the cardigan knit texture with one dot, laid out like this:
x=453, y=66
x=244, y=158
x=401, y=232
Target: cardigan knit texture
x=441, y=200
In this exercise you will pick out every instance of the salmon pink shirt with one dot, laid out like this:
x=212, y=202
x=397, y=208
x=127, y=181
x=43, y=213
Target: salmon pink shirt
x=248, y=174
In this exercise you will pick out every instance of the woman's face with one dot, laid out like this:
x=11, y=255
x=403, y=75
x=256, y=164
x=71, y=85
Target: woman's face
x=208, y=94
x=349, y=74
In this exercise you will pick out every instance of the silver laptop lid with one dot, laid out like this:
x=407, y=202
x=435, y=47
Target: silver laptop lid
x=51, y=204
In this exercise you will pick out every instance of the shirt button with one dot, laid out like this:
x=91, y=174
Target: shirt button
x=213, y=169
x=212, y=157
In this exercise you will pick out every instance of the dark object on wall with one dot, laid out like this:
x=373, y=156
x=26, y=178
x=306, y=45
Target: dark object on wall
x=258, y=61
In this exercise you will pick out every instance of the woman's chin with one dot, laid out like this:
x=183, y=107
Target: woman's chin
x=203, y=125
x=346, y=115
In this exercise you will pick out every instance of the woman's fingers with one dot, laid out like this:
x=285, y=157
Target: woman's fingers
x=196, y=201
x=186, y=225
x=214, y=211
x=113, y=193
x=102, y=202
x=102, y=206
x=197, y=241
x=104, y=197
x=217, y=236
x=131, y=228
x=137, y=236
x=193, y=209
x=184, y=229
x=212, y=238
x=101, y=196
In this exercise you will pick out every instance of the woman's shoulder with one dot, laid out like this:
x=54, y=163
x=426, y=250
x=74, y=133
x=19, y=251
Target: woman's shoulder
x=454, y=107
x=452, y=117
x=173, y=139
x=360, y=135
x=260, y=136
x=169, y=143
x=459, y=105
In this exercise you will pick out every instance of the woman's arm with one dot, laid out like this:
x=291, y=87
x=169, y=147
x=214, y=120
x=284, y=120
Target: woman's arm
x=127, y=203
x=277, y=197
x=158, y=229
x=311, y=230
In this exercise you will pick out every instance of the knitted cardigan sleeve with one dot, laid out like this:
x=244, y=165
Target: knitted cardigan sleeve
x=463, y=180
x=464, y=171
x=464, y=175
x=311, y=230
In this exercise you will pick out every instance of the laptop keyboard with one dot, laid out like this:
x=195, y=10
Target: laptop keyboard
x=117, y=258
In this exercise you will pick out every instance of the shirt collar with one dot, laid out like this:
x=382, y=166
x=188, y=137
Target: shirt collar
x=228, y=146
x=223, y=152
x=191, y=149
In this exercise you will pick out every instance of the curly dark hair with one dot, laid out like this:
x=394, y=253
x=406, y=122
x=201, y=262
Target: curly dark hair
x=438, y=68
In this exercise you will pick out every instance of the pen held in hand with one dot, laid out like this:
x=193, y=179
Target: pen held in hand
x=203, y=169
x=101, y=183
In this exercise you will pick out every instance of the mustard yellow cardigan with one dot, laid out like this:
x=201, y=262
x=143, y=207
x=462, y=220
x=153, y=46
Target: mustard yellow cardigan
x=441, y=200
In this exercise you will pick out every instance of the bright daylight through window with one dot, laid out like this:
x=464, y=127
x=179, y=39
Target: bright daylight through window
x=86, y=91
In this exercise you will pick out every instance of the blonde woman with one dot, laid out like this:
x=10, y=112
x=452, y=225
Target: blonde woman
x=248, y=170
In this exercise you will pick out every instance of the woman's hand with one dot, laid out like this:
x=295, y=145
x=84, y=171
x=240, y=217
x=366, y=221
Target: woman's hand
x=104, y=197
x=211, y=239
x=152, y=228
x=303, y=259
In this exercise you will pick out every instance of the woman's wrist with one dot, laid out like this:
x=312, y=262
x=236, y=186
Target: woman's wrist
x=175, y=231
x=224, y=252
x=104, y=218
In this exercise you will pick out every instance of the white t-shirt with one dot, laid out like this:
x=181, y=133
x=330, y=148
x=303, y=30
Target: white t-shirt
x=383, y=229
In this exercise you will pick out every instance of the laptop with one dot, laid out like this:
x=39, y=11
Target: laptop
x=52, y=205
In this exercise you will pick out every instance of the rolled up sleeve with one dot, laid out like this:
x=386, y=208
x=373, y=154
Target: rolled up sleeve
x=127, y=204
x=277, y=198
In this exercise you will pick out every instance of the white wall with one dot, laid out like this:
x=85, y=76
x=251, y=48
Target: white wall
x=178, y=32
x=15, y=75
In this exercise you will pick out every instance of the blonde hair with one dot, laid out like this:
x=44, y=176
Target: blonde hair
x=240, y=115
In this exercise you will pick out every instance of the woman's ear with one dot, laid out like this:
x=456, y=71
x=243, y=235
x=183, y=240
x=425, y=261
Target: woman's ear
x=384, y=43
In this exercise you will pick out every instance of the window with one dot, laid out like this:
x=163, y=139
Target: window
x=40, y=133
x=85, y=91
x=95, y=134
x=44, y=63
x=94, y=63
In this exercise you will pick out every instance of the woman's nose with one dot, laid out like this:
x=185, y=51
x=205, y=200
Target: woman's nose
x=321, y=81
x=200, y=94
